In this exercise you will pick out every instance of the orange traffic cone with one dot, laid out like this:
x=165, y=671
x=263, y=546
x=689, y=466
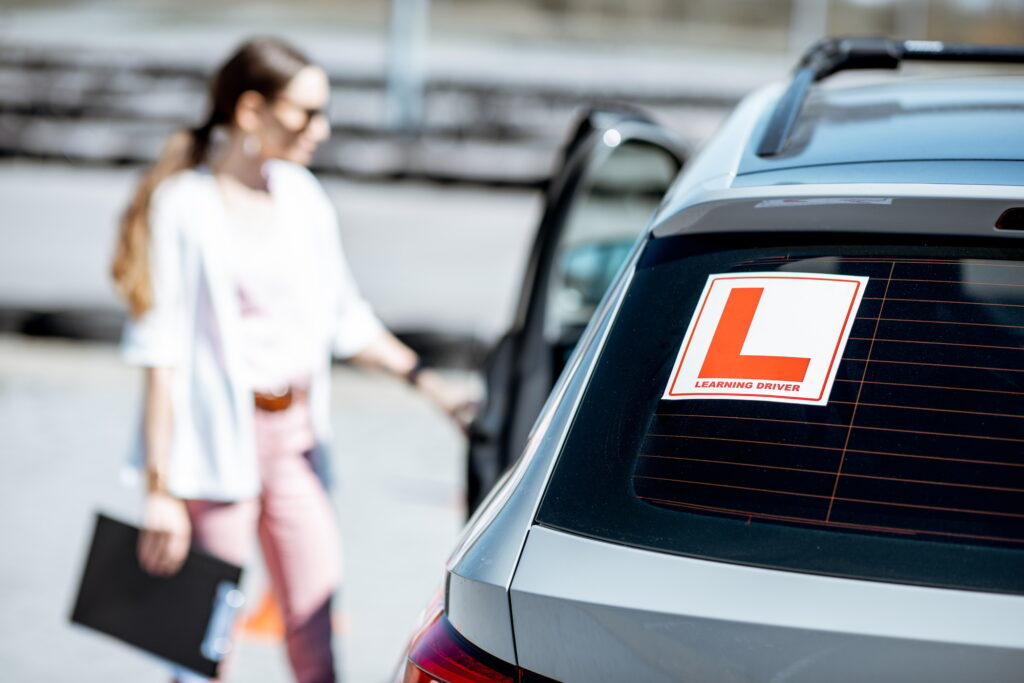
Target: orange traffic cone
x=265, y=623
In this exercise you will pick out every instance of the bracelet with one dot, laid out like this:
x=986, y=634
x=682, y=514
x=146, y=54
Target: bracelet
x=156, y=481
x=413, y=373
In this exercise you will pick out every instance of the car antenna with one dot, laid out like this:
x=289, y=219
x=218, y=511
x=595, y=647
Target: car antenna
x=832, y=55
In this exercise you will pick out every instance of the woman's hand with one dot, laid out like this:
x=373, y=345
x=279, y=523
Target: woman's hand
x=166, y=534
x=166, y=530
x=386, y=352
x=457, y=403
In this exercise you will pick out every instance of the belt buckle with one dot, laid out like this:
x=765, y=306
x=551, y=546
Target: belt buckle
x=273, y=402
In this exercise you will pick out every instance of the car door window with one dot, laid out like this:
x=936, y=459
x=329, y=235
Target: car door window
x=617, y=200
x=615, y=169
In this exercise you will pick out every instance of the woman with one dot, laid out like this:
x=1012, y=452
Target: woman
x=230, y=263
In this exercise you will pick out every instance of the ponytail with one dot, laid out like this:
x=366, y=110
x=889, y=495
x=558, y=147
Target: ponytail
x=130, y=267
x=264, y=65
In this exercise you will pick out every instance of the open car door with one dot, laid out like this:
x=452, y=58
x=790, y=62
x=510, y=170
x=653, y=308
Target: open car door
x=614, y=171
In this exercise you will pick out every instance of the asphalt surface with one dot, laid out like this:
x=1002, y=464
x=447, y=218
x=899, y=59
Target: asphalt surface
x=67, y=412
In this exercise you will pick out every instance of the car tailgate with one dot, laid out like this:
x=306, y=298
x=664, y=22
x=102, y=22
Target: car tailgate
x=585, y=610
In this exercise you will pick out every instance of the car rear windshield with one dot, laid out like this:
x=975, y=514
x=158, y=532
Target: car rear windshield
x=907, y=465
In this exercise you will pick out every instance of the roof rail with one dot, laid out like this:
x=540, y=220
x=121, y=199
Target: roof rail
x=832, y=55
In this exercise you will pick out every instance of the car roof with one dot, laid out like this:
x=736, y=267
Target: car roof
x=922, y=121
x=922, y=144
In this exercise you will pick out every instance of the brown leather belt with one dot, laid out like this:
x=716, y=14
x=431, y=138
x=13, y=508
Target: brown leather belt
x=273, y=403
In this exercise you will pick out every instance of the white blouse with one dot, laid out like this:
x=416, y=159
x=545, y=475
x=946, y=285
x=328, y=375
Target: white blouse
x=269, y=266
x=196, y=325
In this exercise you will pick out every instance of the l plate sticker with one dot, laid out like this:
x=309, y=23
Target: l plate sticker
x=774, y=336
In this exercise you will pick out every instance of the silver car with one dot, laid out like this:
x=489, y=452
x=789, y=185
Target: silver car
x=789, y=444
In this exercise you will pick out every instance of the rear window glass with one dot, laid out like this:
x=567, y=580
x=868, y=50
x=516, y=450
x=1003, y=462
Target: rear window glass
x=910, y=468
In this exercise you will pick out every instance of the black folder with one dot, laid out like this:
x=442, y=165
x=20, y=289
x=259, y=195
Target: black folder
x=185, y=619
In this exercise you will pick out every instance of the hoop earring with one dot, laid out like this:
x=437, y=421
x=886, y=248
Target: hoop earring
x=251, y=146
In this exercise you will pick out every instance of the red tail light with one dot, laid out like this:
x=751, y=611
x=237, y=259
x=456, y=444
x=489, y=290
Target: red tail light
x=439, y=653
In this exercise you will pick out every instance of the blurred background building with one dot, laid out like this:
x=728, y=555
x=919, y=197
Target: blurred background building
x=485, y=87
x=469, y=93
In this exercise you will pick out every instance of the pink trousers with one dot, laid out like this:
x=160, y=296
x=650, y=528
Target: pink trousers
x=297, y=531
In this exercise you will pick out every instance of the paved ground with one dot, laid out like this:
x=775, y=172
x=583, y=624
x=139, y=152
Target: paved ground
x=66, y=414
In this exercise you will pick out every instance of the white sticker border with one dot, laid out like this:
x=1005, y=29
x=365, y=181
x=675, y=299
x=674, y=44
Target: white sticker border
x=860, y=280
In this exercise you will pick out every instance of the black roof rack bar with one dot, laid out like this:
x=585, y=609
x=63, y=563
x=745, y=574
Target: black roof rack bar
x=829, y=56
x=936, y=51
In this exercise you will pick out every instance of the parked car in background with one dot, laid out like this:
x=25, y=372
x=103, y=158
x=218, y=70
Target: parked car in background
x=788, y=444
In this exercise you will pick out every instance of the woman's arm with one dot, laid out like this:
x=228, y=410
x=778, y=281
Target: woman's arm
x=386, y=352
x=360, y=337
x=166, y=530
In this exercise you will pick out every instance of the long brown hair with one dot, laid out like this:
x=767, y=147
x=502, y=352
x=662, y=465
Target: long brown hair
x=263, y=65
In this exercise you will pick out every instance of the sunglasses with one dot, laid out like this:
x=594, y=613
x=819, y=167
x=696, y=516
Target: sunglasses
x=308, y=114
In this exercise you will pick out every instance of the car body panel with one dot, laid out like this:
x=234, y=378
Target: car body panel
x=714, y=166
x=611, y=612
x=484, y=561
x=942, y=172
x=960, y=210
